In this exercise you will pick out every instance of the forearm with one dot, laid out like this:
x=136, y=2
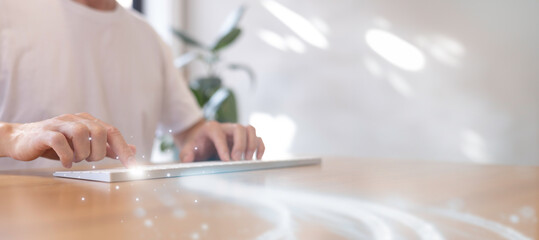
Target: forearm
x=5, y=136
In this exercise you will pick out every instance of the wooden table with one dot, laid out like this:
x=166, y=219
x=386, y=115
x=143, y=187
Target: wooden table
x=344, y=198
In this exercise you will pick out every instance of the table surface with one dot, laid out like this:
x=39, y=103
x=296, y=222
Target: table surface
x=343, y=198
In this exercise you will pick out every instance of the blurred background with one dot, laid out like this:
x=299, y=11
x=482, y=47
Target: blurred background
x=413, y=79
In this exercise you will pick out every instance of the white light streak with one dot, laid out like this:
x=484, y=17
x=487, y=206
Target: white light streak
x=273, y=39
x=395, y=50
x=297, y=23
x=498, y=228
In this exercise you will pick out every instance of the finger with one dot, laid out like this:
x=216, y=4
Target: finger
x=116, y=142
x=79, y=135
x=240, y=141
x=119, y=146
x=112, y=154
x=252, y=143
x=188, y=153
x=98, y=140
x=261, y=149
x=133, y=148
x=58, y=142
x=218, y=137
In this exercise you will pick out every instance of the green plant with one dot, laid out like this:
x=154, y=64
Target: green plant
x=217, y=101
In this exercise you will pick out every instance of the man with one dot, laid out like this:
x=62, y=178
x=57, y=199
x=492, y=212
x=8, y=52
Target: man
x=77, y=74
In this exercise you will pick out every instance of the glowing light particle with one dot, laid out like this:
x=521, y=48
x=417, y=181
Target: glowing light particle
x=90, y=138
x=170, y=130
x=117, y=187
x=196, y=201
x=93, y=167
x=195, y=236
x=148, y=223
x=139, y=212
x=527, y=212
x=204, y=227
x=178, y=213
x=82, y=198
x=514, y=219
x=137, y=199
x=168, y=174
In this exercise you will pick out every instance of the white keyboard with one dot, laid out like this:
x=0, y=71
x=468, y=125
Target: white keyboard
x=182, y=169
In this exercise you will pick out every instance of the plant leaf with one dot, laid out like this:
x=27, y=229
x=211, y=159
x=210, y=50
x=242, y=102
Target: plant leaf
x=186, y=38
x=228, y=112
x=212, y=106
x=232, y=21
x=248, y=70
x=185, y=59
x=226, y=40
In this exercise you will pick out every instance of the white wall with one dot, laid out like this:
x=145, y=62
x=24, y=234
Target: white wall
x=466, y=89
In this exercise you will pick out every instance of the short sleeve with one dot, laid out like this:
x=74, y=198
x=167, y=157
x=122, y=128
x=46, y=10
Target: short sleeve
x=180, y=109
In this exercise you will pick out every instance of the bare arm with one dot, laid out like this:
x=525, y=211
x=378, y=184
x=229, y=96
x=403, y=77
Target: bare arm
x=5, y=134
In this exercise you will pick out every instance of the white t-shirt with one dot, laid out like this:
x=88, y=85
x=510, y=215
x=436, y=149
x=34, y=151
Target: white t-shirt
x=59, y=57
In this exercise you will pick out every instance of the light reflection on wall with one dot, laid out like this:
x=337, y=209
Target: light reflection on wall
x=400, y=84
x=395, y=50
x=295, y=44
x=444, y=49
x=277, y=132
x=297, y=23
x=282, y=43
x=273, y=39
x=125, y=3
x=473, y=146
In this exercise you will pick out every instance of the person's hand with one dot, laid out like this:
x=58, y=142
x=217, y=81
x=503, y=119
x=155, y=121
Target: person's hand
x=228, y=141
x=69, y=138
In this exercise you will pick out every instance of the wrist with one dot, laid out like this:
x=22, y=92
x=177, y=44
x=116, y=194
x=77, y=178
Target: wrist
x=183, y=137
x=6, y=130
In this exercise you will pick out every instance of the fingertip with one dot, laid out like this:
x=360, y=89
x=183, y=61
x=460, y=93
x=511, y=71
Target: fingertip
x=188, y=157
x=131, y=162
x=261, y=149
x=133, y=148
x=67, y=164
x=249, y=155
x=225, y=157
x=237, y=155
